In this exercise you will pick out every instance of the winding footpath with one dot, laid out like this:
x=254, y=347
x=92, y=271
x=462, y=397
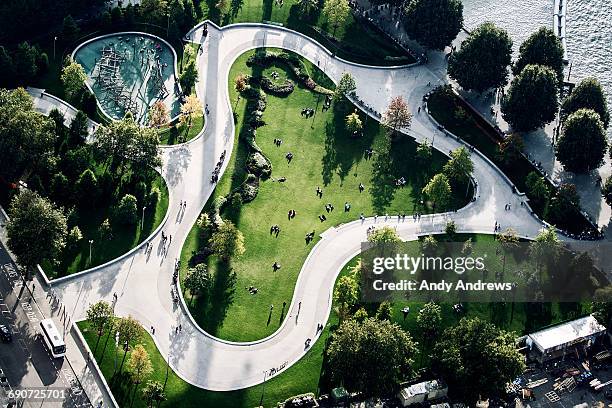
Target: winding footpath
x=144, y=285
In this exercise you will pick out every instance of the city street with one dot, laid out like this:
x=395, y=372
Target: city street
x=29, y=368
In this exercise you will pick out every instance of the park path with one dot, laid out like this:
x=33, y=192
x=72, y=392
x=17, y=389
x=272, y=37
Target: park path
x=143, y=284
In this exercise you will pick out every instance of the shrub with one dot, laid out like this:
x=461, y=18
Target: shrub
x=74, y=237
x=140, y=191
x=126, y=212
x=250, y=188
x=283, y=89
x=259, y=165
x=154, y=196
x=105, y=230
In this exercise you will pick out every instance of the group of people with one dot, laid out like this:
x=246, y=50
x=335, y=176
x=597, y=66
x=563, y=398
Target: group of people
x=309, y=237
x=215, y=176
x=291, y=214
x=319, y=192
x=278, y=142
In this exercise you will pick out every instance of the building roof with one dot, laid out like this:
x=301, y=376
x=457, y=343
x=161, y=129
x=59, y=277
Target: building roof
x=421, y=388
x=566, y=333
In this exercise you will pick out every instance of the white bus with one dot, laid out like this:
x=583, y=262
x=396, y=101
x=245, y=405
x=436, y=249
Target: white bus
x=52, y=339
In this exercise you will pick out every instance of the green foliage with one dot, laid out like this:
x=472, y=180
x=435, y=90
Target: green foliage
x=346, y=86
x=70, y=30
x=582, y=144
x=87, y=188
x=606, y=190
x=384, y=235
x=227, y=241
x=105, y=230
x=429, y=320
x=336, y=12
x=384, y=311
x=372, y=356
x=126, y=212
x=542, y=47
x=153, y=393
x=360, y=315
x=565, y=204
x=77, y=132
x=36, y=230
x=532, y=100
x=483, y=59
x=424, y=151
x=433, y=23
x=188, y=77
x=100, y=315
x=74, y=237
x=460, y=167
x=450, y=229
x=478, y=351
x=7, y=70
x=198, y=280
x=24, y=62
x=346, y=293
x=353, y=123
x=438, y=190
x=537, y=188
x=73, y=78
x=588, y=94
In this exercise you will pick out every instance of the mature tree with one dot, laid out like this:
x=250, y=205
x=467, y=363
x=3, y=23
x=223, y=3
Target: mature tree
x=424, y=151
x=73, y=77
x=36, y=229
x=70, y=30
x=384, y=235
x=384, y=311
x=582, y=144
x=545, y=247
x=130, y=331
x=429, y=244
x=153, y=393
x=372, y=356
x=191, y=109
x=24, y=62
x=353, y=123
x=601, y=307
x=189, y=76
x=397, y=116
x=126, y=212
x=460, y=167
x=100, y=316
x=433, y=23
x=198, y=280
x=438, y=191
x=537, y=189
x=87, y=188
x=241, y=82
x=565, y=204
x=541, y=48
x=588, y=94
x=508, y=240
x=483, y=59
x=475, y=357
x=227, y=241
x=154, y=10
x=139, y=366
x=346, y=86
x=124, y=141
x=336, y=12
x=78, y=129
x=532, y=100
x=606, y=190
x=158, y=114
x=346, y=293
x=307, y=7
x=360, y=315
x=429, y=320
x=450, y=229
x=511, y=149
x=74, y=237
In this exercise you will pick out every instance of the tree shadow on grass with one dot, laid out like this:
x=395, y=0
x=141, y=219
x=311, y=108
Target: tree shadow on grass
x=266, y=14
x=341, y=150
x=221, y=296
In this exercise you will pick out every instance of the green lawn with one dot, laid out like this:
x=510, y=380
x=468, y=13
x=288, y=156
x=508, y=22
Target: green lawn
x=308, y=374
x=123, y=240
x=325, y=156
x=355, y=41
x=172, y=134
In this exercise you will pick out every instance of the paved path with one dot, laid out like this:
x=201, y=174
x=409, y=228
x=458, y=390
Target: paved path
x=144, y=284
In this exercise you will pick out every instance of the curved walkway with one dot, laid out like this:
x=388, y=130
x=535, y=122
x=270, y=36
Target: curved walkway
x=144, y=285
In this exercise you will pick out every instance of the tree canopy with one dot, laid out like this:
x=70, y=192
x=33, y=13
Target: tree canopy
x=433, y=23
x=346, y=86
x=477, y=359
x=36, y=230
x=460, y=167
x=438, y=191
x=532, y=100
x=542, y=47
x=73, y=78
x=588, y=94
x=581, y=147
x=397, y=116
x=483, y=59
x=372, y=356
x=227, y=241
x=336, y=13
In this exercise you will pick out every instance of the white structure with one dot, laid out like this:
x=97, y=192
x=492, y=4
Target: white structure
x=556, y=341
x=421, y=392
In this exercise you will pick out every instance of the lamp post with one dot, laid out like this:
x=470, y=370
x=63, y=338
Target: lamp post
x=91, y=241
x=142, y=221
x=54, y=40
x=263, y=389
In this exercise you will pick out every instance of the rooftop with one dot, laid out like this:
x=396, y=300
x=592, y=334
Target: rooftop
x=566, y=333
